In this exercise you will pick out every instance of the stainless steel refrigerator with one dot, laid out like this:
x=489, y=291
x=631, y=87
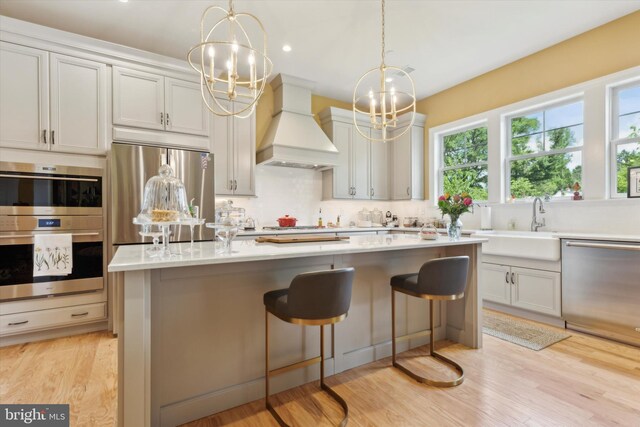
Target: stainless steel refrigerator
x=132, y=165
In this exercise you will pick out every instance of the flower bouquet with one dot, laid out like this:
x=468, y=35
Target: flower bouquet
x=454, y=206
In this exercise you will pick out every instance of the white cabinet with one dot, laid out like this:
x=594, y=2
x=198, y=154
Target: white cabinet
x=78, y=105
x=372, y=169
x=408, y=161
x=152, y=101
x=24, y=97
x=19, y=323
x=531, y=289
x=233, y=144
x=362, y=171
x=72, y=120
x=184, y=109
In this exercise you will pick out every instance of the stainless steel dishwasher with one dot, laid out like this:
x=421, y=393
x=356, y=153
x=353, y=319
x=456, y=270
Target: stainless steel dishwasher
x=601, y=288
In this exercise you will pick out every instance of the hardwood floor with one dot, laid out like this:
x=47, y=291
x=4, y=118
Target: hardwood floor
x=581, y=381
x=79, y=370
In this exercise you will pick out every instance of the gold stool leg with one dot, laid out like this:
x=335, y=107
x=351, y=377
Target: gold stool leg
x=432, y=353
x=335, y=396
x=266, y=374
x=323, y=386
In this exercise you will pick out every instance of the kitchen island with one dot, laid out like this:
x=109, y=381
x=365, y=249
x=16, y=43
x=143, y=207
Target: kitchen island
x=192, y=337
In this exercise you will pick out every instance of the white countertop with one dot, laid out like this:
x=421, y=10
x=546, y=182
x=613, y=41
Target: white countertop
x=134, y=257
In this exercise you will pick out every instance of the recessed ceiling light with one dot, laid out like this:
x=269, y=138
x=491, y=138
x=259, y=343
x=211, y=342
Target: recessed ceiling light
x=286, y=48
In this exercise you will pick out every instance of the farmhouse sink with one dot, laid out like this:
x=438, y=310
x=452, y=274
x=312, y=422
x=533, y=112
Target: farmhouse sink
x=521, y=244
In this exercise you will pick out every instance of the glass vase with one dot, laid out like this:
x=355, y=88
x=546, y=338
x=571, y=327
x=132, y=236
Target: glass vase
x=454, y=228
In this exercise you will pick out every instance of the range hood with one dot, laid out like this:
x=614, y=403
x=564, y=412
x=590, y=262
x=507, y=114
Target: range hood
x=294, y=139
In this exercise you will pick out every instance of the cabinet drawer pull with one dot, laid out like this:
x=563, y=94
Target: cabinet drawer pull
x=24, y=322
x=80, y=314
x=408, y=191
x=506, y=277
x=167, y=119
x=513, y=281
x=161, y=118
x=44, y=136
x=53, y=137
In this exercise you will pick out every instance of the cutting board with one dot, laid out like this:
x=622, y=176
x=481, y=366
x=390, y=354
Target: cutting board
x=301, y=239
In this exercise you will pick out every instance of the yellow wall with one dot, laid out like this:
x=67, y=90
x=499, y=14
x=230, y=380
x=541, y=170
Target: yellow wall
x=264, y=110
x=604, y=50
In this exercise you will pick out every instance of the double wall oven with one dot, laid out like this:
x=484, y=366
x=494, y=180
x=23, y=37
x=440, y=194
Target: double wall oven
x=46, y=199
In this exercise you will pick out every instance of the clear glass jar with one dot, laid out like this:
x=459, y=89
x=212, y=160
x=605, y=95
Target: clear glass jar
x=165, y=198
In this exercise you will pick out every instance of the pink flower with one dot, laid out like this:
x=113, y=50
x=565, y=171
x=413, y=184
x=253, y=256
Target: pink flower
x=442, y=198
x=467, y=201
x=456, y=198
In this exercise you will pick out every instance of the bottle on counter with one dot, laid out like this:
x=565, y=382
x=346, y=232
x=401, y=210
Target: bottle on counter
x=320, y=218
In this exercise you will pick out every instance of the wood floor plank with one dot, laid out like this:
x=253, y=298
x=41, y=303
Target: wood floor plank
x=581, y=381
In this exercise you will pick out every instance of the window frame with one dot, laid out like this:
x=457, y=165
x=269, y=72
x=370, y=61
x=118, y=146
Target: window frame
x=614, y=141
x=441, y=166
x=509, y=157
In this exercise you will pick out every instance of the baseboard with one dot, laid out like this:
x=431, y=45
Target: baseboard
x=220, y=400
x=53, y=333
x=526, y=314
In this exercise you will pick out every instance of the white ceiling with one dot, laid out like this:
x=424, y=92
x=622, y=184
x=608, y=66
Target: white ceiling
x=335, y=41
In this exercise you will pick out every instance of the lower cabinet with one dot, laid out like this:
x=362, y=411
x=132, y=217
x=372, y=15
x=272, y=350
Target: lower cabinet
x=528, y=288
x=46, y=319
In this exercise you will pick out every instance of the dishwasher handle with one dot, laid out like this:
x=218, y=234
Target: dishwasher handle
x=603, y=246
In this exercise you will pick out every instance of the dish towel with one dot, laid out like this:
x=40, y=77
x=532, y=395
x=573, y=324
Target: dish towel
x=52, y=255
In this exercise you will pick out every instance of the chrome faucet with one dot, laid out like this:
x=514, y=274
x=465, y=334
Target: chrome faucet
x=534, y=220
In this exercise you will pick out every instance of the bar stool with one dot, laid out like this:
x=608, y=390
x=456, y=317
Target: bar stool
x=442, y=279
x=313, y=299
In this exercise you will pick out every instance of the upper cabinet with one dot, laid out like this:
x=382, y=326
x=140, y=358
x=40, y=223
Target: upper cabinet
x=233, y=144
x=73, y=119
x=407, y=154
x=363, y=166
x=151, y=101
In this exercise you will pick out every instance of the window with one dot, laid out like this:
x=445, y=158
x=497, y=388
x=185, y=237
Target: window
x=625, y=143
x=545, y=151
x=464, y=163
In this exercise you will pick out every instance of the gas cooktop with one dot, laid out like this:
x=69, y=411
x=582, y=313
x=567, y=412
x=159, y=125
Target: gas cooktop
x=297, y=227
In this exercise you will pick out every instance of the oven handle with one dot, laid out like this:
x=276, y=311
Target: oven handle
x=54, y=178
x=22, y=236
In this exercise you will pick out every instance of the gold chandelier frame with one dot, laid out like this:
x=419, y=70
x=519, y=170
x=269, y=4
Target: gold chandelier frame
x=252, y=87
x=387, y=119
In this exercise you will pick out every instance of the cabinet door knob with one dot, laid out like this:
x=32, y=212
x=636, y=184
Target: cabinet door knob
x=161, y=118
x=53, y=137
x=513, y=280
x=168, y=119
x=506, y=277
x=44, y=136
x=408, y=191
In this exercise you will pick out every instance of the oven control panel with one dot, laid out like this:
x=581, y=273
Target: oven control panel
x=36, y=223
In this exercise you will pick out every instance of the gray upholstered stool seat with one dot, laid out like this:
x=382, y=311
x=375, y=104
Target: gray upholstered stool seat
x=318, y=298
x=438, y=279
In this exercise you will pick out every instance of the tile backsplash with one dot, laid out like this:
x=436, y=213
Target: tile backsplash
x=298, y=192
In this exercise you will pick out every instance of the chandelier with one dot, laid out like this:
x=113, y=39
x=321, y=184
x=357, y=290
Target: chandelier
x=233, y=69
x=380, y=96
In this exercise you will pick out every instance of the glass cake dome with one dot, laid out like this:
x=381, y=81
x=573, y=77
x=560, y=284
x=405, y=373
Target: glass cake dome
x=165, y=198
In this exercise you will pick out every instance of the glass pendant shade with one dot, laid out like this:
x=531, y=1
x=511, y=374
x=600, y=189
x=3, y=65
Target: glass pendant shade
x=232, y=61
x=165, y=198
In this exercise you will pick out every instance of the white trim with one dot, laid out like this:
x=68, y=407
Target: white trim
x=439, y=151
x=595, y=170
x=612, y=101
